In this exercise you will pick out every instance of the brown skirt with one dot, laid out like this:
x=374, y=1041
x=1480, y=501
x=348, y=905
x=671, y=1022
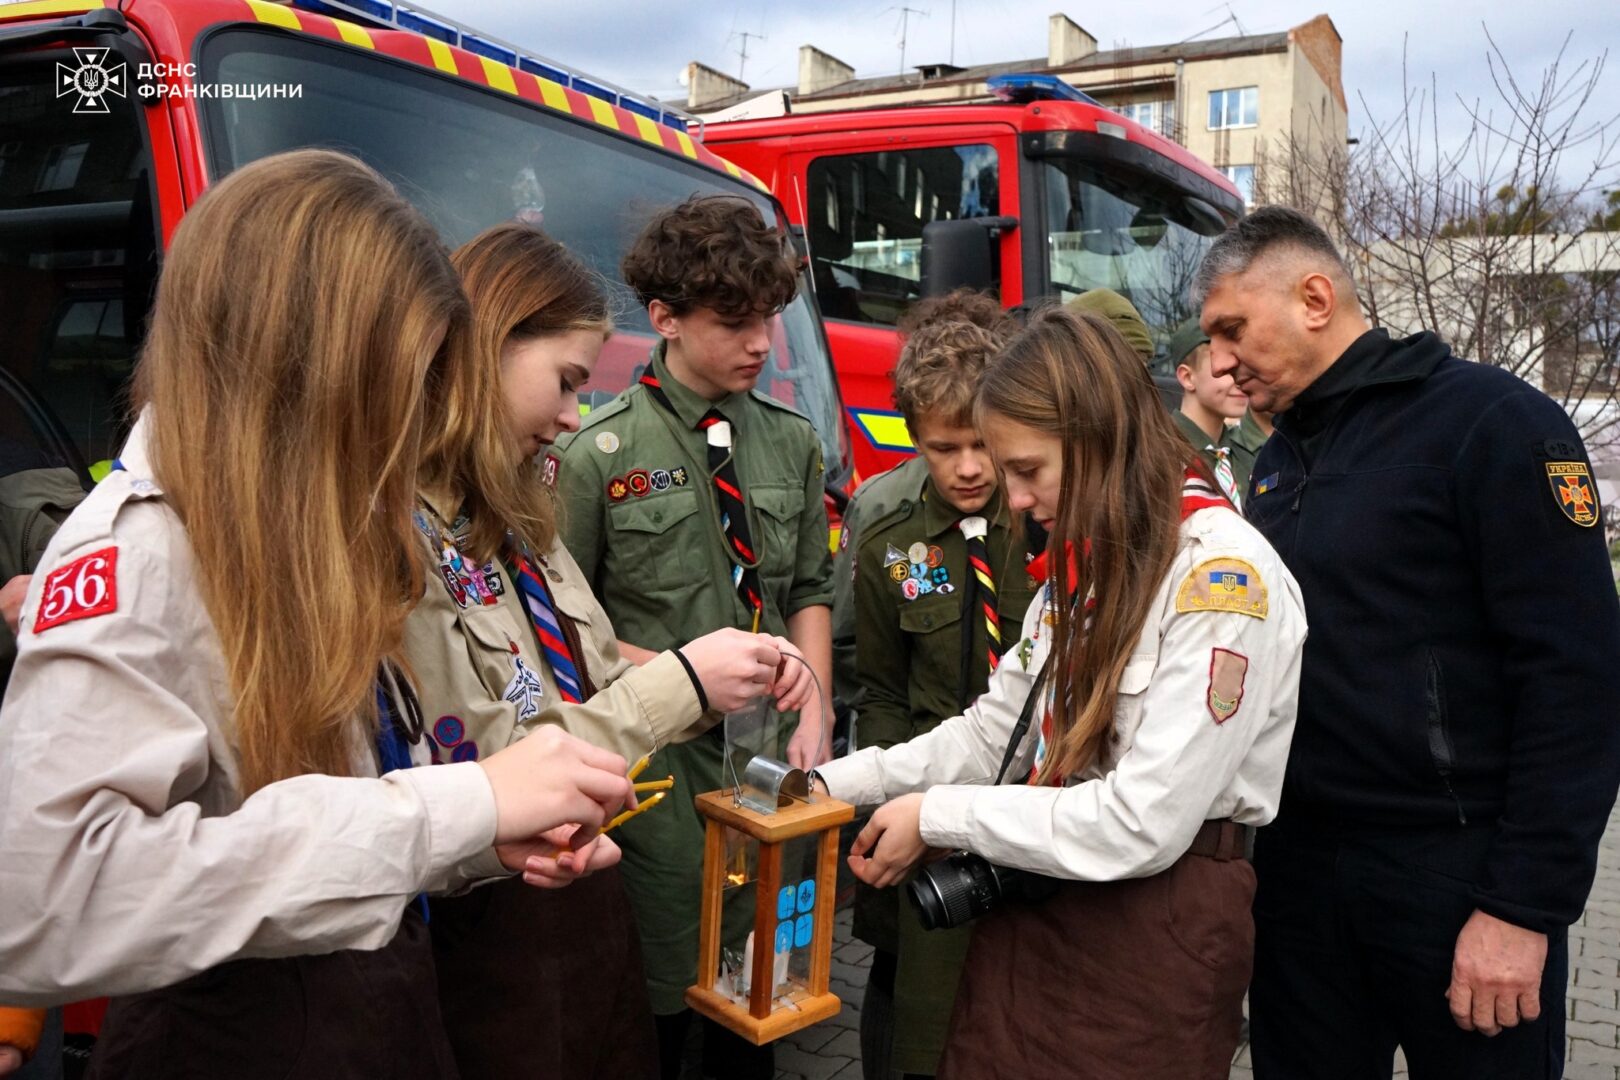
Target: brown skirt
x=344, y=1014
x=1134, y=980
x=545, y=982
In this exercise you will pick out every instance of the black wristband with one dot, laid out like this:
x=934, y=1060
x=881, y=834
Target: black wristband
x=697, y=684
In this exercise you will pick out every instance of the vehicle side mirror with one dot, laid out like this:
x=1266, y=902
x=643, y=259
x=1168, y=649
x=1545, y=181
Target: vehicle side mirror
x=961, y=254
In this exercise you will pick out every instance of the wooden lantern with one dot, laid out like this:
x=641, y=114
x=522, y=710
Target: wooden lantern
x=771, y=1007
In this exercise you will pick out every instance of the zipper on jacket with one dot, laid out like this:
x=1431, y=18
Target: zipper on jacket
x=1299, y=492
x=1440, y=751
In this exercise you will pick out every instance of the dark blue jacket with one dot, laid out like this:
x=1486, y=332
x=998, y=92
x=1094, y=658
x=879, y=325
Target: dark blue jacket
x=1463, y=664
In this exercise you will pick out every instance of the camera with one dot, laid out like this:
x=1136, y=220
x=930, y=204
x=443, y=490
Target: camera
x=963, y=886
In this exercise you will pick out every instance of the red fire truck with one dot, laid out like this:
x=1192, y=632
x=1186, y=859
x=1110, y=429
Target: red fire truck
x=1043, y=194
x=115, y=118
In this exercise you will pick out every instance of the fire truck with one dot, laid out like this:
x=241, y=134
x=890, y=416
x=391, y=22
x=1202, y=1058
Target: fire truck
x=115, y=118
x=1043, y=193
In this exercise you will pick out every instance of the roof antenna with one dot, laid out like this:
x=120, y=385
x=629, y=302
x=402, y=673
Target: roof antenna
x=743, y=51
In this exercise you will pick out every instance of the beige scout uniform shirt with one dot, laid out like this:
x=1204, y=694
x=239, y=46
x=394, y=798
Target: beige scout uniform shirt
x=462, y=654
x=1170, y=763
x=128, y=858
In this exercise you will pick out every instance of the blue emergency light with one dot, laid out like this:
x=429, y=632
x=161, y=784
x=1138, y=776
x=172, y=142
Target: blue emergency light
x=419, y=20
x=1023, y=89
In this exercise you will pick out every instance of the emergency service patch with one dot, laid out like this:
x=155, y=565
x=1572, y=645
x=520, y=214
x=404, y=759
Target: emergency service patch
x=1573, y=492
x=1227, y=670
x=1223, y=585
x=83, y=589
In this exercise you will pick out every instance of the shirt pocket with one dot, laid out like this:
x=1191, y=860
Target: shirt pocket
x=780, y=513
x=659, y=540
x=934, y=626
x=1128, y=703
x=488, y=632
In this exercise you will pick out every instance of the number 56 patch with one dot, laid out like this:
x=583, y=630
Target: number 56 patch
x=84, y=588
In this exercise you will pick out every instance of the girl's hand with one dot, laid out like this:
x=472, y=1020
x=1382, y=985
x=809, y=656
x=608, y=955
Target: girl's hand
x=891, y=845
x=546, y=867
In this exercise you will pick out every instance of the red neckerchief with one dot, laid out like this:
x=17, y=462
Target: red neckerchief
x=1197, y=493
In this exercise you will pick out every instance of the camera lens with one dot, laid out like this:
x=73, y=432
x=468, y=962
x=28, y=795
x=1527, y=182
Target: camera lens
x=949, y=893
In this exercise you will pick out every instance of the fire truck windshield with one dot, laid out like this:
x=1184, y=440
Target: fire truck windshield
x=471, y=157
x=1108, y=226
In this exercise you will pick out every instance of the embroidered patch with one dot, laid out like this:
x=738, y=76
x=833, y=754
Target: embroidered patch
x=843, y=539
x=1263, y=486
x=917, y=552
x=1025, y=648
x=83, y=589
x=660, y=479
x=617, y=489
x=945, y=589
x=638, y=482
x=1227, y=670
x=936, y=556
x=899, y=572
x=893, y=556
x=1223, y=585
x=1572, y=490
x=548, y=470
x=607, y=442
x=525, y=690
x=448, y=731
x=677, y=476
x=910, y=588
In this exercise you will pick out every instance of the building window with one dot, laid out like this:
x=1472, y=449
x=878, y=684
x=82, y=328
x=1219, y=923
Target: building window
x=1234, y=108
x=865, y=251
x=1243, y=177
x=1159, y=116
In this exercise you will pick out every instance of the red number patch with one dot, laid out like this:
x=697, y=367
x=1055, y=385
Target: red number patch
x=84, y=588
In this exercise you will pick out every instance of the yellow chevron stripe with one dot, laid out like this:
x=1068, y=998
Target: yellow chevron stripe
x=498, y=75
x=48, y=7
x=275, y=14
x=354, y=35
x=552, y=94
x=687, y=146
x=602, y=113
x=443, y=58
x=648, y=129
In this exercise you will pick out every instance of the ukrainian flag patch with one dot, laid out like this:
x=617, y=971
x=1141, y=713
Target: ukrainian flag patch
x=1223, y=585
x=1263, y=486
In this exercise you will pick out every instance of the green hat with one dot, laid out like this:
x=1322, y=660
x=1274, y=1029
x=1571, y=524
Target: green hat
x=1184, y=341
x=1122, y=313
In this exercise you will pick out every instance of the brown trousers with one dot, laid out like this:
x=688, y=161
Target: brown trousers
x=545, y=982
x=345, y=1014
x=1126, y=980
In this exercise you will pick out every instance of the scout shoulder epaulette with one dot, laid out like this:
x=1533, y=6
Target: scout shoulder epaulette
x=887, y=518
x=765, y=399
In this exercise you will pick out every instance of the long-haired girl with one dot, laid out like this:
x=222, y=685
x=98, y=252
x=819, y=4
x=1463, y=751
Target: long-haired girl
x=206, y=803
x=1156, y=672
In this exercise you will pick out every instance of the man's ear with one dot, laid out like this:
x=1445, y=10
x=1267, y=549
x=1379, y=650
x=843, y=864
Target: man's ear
x=1319, y=294
x=665, y=323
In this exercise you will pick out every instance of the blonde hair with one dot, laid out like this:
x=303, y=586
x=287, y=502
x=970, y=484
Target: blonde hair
x=297, y=329
x=521, y=285
x=1073, y=376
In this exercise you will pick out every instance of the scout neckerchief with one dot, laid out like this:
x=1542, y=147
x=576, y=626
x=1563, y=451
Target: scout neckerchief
x=733, y=509
x=1196, y=494
x=542, y=610
x=974, y=529
x=1223, y=471
x=399, y=726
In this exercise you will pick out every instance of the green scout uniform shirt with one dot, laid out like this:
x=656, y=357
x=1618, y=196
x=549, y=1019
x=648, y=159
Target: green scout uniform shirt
x=1245, y=440
x=909, y=660
x=33, y=504
x=659, y=562
x=1201, y=441
x=879, y=496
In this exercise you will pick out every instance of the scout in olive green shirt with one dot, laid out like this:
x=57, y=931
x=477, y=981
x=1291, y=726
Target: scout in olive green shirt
x=642, y=519
x=922, y=659
x=1246, y=440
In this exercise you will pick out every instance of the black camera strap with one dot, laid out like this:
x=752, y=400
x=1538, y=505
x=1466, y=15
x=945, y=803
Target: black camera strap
x=1021, y=728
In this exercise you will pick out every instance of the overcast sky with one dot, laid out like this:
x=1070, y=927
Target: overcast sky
x=644, y=44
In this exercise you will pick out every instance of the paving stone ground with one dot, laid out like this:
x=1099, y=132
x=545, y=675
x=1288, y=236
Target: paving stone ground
x=832, y=1051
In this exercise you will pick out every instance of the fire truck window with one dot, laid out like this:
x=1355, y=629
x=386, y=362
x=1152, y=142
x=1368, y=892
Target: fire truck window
x=867, y=222
x=78, y=260
x=470, y=158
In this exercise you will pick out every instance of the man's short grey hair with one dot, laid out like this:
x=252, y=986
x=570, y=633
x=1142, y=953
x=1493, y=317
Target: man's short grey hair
x=1268, y=228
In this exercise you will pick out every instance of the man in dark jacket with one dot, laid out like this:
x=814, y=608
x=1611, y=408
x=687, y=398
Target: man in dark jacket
x=1458, y=746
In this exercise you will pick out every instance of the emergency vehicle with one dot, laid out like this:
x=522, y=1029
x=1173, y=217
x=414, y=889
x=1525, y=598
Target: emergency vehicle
x=1044, y=193
x=115, y=118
